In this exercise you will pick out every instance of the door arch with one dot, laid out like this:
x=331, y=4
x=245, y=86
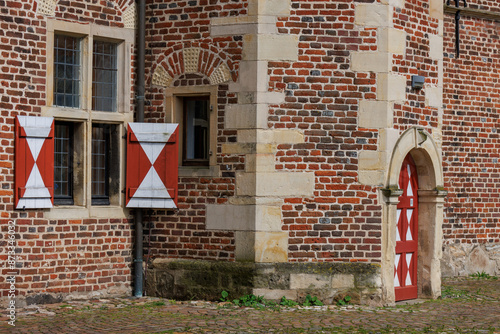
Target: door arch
x=421, y=147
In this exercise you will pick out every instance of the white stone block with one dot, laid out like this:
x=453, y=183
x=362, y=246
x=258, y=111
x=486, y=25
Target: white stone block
x=260, y=162
x=229, y=217
x=376, y=114
x=269, y=7
x=246, y=116
x=246, y=148
x=377, y=62
x=436, y=9
x=434, y=96
x=391, y=87
x=372, y=160
x=270, y=47
x=276, y=184
x=387, y=139
x=391, y=40
x=371, y=177
x=270, y=136
x=253, y=77
x=435, y=46
x=373, y=15
x=261, y=247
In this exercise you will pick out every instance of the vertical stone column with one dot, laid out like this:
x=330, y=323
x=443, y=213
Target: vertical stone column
x=391, y=198
x=255, y=212
x=391, y=86
x=430, y=231
x=434, y=93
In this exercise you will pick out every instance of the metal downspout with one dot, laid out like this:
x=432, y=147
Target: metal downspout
x=141, y=37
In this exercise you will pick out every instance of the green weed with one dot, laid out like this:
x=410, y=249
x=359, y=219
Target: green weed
x=483, y=275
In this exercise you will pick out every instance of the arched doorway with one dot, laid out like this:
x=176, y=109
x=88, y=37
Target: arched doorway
x=428, y=198
x=405, y=263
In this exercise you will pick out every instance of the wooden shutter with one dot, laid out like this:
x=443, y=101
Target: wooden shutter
x=152, y=170
x=34, y=162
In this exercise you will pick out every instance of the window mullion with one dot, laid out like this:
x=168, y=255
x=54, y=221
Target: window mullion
x=87, y=74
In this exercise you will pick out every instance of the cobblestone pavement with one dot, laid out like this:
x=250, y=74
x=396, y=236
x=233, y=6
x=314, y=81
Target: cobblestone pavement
x=468, y=306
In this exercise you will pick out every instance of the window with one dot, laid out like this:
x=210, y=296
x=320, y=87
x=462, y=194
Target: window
x=100, y=164
x=63, y=163
x=88, y=90
x=67, y=71
x=196, y=131
x=104, y=73
x=194, y=108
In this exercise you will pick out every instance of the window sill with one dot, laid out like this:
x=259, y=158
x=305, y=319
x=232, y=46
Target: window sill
x=197, y=171
x=79, y=212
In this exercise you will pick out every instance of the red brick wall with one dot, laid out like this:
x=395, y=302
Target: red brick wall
x=414, y=19
x=342, y=221
x=171, y=27
x=53, y=256
x=471, y=142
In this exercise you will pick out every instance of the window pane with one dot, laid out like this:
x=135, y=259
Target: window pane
x=196, y=129
x=66, y=71
x=104, y=72
x=63, y=163
x=100, y=165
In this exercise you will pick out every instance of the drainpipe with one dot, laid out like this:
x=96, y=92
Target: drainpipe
x=141, y=37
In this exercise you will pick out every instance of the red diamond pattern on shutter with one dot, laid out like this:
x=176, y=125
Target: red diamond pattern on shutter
x=152, y=170
x=34, y=162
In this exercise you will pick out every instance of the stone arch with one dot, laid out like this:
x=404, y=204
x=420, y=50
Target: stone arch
x=200, y=59
x=426, y=154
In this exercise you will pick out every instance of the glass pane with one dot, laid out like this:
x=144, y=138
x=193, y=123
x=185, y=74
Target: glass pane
x=104, y=73
x=197, y=129
x=66, y=71
x=100, y=148
x=63, y=168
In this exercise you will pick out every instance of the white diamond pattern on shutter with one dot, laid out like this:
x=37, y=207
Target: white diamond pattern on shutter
x=34, y=160
x=152, y=165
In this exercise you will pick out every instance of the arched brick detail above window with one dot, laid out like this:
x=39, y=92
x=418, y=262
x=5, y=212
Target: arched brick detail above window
x=46, y=7
x=208, y=62
x=125, y=8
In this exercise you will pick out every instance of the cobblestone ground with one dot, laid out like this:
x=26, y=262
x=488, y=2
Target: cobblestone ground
x=468, y=306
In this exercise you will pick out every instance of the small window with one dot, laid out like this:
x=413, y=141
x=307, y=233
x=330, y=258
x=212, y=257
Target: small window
x=196, y=131
x=66, y=71
x=100, y=164
x=63, y=163
x=104, y=76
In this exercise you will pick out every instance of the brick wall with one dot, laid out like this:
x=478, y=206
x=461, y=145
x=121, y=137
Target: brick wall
x=342, y=221
x=471, y=140
x=172, y=27
x=416, y=22
x=54, y=257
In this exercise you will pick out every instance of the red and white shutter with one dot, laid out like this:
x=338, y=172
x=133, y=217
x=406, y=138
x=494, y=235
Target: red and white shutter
x=34, y=162
x=152, y=171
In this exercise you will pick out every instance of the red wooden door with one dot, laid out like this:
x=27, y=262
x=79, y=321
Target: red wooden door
x=405, y=264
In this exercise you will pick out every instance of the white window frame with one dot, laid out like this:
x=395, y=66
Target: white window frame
x=85, y=116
